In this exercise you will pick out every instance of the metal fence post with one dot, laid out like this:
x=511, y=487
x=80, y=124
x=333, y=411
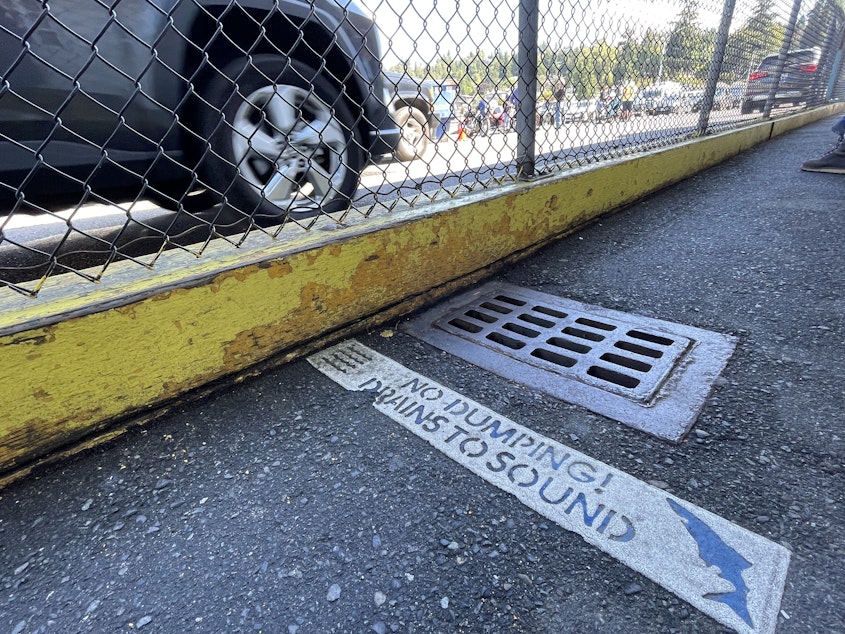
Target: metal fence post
x=784, y=49
x=833, y=80
x=715, y=67
x=526, y=115
x=832, y=56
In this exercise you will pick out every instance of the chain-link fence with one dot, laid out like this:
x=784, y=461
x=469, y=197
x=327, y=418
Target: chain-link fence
x=132, y=127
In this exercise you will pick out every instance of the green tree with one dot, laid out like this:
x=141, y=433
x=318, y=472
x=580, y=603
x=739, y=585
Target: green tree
x=762, y=35
x=627, y=58
x=816, y=27
x=650, y=57
x=689, y=49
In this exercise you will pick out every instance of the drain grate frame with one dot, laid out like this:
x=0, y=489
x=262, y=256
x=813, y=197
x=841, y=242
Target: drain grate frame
x=646, y=373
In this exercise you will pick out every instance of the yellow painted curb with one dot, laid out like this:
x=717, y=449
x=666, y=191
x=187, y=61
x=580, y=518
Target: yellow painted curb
x=77, y=360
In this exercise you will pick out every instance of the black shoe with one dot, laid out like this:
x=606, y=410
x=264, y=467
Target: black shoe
x=831, y=163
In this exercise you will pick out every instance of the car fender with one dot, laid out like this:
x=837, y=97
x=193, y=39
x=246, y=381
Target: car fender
x=174, y=48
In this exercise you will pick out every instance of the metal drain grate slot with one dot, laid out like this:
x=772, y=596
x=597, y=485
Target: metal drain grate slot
x=626, y=362
x=510, y=300
x=550, y=312
x=611, y=376
x=503, y=310
x=582, y=334
x=462, y=324
x=655, y=339
x=521, y=330
x=567, y=344
x=554, y=357
x=508, y=342
x=619, y=364
x=595, y=324
x=638, y=349
x=537, y=321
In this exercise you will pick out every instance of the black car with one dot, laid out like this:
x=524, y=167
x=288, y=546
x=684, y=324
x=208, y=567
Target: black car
x=273, y=106
x=797, y=84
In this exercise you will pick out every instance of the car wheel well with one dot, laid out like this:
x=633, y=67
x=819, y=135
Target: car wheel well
x=224, y=33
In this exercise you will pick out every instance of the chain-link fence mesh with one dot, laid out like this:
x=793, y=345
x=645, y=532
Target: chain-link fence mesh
x=133, y=127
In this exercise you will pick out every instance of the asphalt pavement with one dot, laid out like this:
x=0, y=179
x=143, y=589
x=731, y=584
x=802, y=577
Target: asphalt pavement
x=289, y=504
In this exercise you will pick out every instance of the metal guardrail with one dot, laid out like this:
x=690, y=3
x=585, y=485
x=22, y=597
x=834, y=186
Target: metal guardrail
x=134, y=127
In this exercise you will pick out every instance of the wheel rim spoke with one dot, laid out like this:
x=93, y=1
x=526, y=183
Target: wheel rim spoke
x=280, y=187
x=280, y=110
x=322, y=131
x=265, y=145
x=321, y=180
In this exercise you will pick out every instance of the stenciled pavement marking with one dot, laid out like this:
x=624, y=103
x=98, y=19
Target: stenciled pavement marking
x=729, y=573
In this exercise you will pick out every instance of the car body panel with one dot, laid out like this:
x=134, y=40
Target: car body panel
x=579, y=110
x=662, y=98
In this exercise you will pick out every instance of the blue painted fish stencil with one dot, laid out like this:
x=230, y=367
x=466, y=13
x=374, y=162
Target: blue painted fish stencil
x=715, y=552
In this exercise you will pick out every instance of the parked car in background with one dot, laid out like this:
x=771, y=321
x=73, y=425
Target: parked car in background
x=546, y=113
x=274, y=107
x=421, y=107
x=795, y=86
x=693, y=100
x=579, y=110
x=662, y=98
x=735, y=92
x=723, y=99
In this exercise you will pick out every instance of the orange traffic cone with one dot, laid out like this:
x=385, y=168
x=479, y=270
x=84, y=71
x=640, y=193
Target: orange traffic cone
x=462, y=135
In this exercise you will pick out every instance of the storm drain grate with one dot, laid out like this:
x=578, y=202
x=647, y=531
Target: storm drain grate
x=617, y=355
x=648, y=373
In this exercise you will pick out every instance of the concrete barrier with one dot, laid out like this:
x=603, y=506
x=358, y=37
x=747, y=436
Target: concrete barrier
x=84, y=363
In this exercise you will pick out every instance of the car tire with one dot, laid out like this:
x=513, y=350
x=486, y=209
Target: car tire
x=180, y=198
x=747, y=107
x=414, y=141
x=279, y=141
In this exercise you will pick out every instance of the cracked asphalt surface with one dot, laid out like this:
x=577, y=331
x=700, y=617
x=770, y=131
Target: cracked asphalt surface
x=286, y=504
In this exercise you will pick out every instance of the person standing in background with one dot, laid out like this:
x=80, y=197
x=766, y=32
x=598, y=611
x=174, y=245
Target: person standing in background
x=629, y=93
x=559, y=97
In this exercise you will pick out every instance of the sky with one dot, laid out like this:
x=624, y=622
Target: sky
x=418, y=31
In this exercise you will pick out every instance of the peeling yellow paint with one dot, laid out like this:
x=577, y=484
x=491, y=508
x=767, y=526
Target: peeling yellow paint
x=249, y=346
x=129, y=311
x=38, y=337
x=163, y=296
x=277, y=269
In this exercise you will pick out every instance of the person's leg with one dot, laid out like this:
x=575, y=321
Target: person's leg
x=839, y=128
x=834, y=161
x=831, y=163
